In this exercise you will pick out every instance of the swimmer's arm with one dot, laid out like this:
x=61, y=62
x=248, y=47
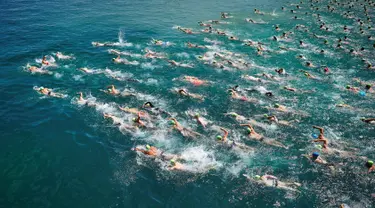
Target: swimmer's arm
x=320, y=140
x=248, y=125
x=320, y=129
x=140, y=150
x=225, y=134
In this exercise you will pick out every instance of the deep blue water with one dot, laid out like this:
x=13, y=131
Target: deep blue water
x=57, y=153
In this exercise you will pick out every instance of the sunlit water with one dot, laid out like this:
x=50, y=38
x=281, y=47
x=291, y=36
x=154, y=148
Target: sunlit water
x=62, y=153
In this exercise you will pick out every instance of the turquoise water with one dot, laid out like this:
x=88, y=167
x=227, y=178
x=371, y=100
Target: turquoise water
x=59, y=153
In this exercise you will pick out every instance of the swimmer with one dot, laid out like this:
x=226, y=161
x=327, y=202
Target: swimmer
x=308, y=75
x=87, y=70
x=321, y=137
x=368, y=120
x=174, y=165
x=195, y=81
x=274, y=119
x=370, y=166
x=232, y=144
x=117, y=59
x=315, y=157
x=343, y=105
x=251, y=132
x=81, y=100
x=309, y=64
x=137, y=121
x=280, y=108
x=34, y=69
x=273, y=181
x=301, y=57
x=190, y=45
x=281, y=71
x=270, y=76
x=44, y=61
x=204, y=24
x=200, y=120
x=175, y=63
x=112, y=90
x=237, y=96
x=49, y=92
x=149, y=106
x=236, y=116
x=149, y=150
x=290, y=89
x=185, y=30
x=184, y=92
x=116, y=120
x=251, y=78
x=232, y=38
x=59, y=55
x=184, y=131
x=351, y=88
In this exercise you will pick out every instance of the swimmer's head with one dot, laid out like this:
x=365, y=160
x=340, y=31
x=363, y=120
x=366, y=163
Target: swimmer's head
x=200, y=57
x=234, y=114
x=257, y=177
x=219, y=138
x=325, y=41
x=348, y=87
x=172, y=122
x=196, y=115
x=148, y=147
x=265, y=115
x=277, y=105
x=369, y=163
x=315, y=155
x=113, y=59
x=368, y=86
x=134, y=119
x=249, y=130
x=173, y=162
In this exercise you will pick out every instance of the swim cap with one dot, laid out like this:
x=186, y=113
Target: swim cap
x=368, y=86
x=314, y=135
x=315, y=154
x=172, y=122
x=369, y=163
x=249, y=130
x=200, y=57
x=362, y=93
x=134, y=119
x=148, y=147
x=41, y=88
x=277, y=105
x=219, y=137
x=172, y=161
x=306, y=74
x=319, y=146
x=347, y=87
x=197, y=115
x=257, y=177
x=234, y=114
x=265, y=115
